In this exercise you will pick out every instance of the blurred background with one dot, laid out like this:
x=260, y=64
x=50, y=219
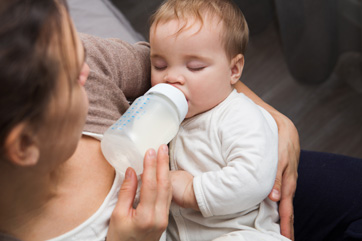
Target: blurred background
x=304, y=58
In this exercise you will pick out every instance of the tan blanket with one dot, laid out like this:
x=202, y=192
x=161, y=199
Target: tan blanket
x=120, y=72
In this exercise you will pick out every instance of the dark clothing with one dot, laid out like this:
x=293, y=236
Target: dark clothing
x=328, y=199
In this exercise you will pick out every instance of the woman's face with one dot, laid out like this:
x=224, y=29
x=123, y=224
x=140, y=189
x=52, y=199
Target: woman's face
x=67, y=110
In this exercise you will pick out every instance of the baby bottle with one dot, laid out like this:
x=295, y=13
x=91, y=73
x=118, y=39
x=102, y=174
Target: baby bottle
x=152, y=120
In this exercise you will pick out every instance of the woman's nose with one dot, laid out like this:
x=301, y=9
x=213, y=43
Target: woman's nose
x=83, y=76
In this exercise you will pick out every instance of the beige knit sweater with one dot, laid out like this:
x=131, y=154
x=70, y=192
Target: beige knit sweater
x=120, y=72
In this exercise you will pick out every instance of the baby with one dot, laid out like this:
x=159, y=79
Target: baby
x=224, y=157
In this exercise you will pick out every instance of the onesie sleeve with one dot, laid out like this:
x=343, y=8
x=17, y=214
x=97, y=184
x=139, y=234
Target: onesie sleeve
x=119, y=73
x=249, y=145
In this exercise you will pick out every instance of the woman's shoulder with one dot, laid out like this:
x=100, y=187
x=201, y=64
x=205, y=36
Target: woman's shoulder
x=95, y=194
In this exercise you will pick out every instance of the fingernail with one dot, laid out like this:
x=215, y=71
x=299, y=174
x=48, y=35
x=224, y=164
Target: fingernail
x=275, y=194
x=128, y=173
x=151, y=153
x=165, y=149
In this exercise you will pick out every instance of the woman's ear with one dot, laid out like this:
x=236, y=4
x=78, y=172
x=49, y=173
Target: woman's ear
x=21, y=147
x=237, y=66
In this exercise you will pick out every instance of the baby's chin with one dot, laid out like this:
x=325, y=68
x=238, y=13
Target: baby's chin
x=192, y=114
x=188, y=116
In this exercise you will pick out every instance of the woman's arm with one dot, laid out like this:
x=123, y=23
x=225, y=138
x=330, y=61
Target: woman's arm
x=289, y=151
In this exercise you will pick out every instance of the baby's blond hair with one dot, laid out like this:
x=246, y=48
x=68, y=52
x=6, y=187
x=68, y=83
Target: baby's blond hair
x=235, y=33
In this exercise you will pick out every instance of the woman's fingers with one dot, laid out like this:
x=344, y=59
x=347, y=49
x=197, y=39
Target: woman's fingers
x=275, y=194
x=164, y=189
x=289, y=185
x=148, y=194
x=287, y=175
x=156, y=190
x=127, y=194
x=121, y=221
x=149, y=220
x=163, y=179
x=286, y=212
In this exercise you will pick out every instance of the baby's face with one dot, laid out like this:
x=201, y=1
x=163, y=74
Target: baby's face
x=193, y=60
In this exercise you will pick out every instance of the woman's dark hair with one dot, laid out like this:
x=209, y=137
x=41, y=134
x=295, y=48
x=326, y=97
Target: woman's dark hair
x=30, y=65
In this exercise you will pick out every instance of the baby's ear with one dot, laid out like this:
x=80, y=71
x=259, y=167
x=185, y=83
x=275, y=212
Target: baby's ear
x=237, y=66
x=21, y=147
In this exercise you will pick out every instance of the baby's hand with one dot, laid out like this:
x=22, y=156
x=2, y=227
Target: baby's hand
x=183, y=190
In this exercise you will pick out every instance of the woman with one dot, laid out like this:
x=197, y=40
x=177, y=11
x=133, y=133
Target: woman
x=47, y=171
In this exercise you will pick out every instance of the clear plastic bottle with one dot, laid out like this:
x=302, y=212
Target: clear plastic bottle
x=152, y=120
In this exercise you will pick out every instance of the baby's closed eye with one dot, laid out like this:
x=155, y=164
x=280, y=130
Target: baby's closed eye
x=196, y=65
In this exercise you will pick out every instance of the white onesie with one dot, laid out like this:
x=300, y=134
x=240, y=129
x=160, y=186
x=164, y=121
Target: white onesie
x=232, y=152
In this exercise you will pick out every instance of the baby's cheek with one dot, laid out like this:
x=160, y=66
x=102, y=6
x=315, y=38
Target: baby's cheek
x=155, y=79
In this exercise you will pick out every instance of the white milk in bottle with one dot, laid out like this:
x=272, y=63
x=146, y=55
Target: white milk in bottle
x=152, y=120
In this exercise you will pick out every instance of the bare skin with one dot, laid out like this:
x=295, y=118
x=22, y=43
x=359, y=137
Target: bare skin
x=30, y=220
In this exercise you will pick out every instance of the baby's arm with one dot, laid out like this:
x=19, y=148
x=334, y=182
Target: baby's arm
x=289, y=151
x=249, y=149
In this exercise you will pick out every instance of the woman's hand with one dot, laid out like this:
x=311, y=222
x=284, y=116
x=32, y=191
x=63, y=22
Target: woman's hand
x=289, y=151
x=183, y=190
x=150, y=218
x=286, y=179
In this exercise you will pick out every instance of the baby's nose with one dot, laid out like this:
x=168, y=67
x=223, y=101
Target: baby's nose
x=174, y=78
